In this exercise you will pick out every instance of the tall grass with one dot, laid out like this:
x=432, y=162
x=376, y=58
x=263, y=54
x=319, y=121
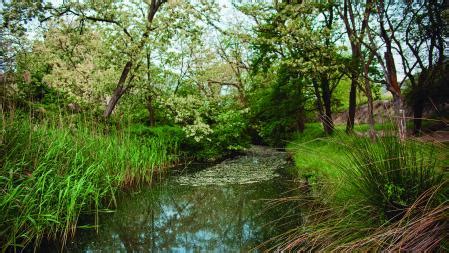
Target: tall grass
x=53, y=170
x=385, y=194
x=390, y=175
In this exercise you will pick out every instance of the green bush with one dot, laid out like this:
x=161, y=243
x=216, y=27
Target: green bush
x=228, y=136
x=275, y=113
x=144, y=131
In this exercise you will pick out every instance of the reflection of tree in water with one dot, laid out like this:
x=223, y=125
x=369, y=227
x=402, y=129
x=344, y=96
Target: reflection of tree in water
x=224, y=218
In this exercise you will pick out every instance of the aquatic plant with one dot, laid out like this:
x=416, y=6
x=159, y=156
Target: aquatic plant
x=54, y=170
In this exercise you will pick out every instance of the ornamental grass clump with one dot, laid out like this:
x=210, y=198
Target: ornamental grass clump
x=394, y=196
x=390, y=175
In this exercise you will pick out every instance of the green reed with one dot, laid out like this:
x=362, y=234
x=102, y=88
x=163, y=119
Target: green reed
x=54, y=170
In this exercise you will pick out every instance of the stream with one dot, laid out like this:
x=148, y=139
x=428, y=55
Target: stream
x=228, y=207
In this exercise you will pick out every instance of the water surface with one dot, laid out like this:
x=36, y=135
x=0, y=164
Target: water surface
x=170, y=217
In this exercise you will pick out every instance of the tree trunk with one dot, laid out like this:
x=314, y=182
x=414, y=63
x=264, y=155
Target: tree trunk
x=352, y=105
x=369, y=95
x=355, y=39
x=397, y=97
x=300, y=120
x=119, y=90
x=118, y=93
x=328, y=123
x=391, y=75
x=325, y=111
x=418, y=107
x=319, y=104
x=419, y=99
x=399, y=115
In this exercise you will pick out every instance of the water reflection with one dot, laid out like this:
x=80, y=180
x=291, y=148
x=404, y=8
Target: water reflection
x=176, y=218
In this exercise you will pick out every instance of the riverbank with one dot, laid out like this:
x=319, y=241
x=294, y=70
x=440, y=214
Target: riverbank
x=54, y=171
x=383, y=195
x=228, y=206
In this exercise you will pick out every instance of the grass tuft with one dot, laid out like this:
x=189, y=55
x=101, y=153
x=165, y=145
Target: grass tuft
x=367, y=195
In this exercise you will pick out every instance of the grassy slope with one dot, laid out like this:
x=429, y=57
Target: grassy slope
x=318, y=155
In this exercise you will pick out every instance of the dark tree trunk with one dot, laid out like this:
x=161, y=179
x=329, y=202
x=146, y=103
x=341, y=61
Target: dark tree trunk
x=391, y=75
x=119, y=90
x=328, y=123
x=352, y=106
x=319, y=104
x=420, y=96
x=369, y=95
x=418, y=108
x=418, y=100
x=325, y=111
x=300, y=120
x=355, y=37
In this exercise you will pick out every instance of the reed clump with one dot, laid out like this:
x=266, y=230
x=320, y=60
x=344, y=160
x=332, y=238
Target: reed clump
x=383, y=195
x=53, y=170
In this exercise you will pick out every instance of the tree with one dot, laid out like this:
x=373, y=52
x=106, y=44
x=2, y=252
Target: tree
x=355, y=25
x=302, y=36
x=415, y=33
x=132, y=63
x=127, y=26
x=112, y=13
x=424, y=30
x=232, y=47
x=387, y=62
x=78, y=63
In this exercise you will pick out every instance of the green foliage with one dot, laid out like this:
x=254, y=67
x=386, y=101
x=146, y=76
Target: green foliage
x=229, y=133
x=206, y=98
x=77, y=63
x=54, y=170
x=163, y=132
x=278, y=111
x=16, y=14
